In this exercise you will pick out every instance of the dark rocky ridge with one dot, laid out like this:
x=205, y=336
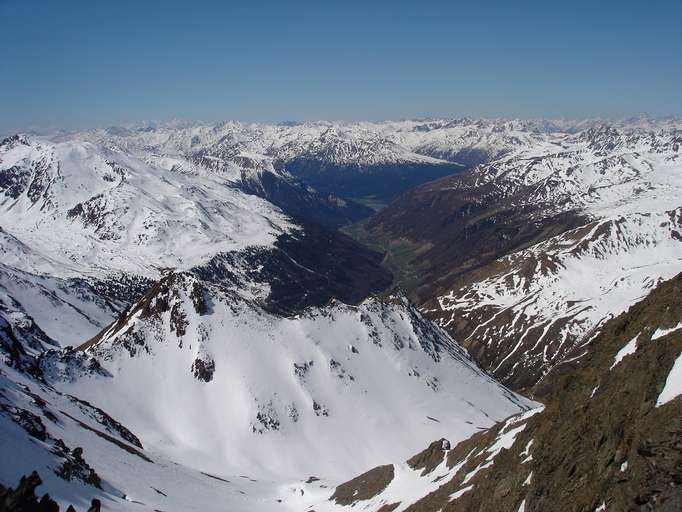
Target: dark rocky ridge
x=306, y=268
x=303, y=203
x=24, y=499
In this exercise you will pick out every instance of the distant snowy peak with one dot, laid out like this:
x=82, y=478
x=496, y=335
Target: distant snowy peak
x=599, y=171
x=468, y=141
x=346, y=146
x=106, y=210
x=362, y=144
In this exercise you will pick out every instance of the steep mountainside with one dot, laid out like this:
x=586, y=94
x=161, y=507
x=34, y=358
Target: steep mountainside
x=609, y=437
x=234, y=351
x=524, y=257
x=239, y=405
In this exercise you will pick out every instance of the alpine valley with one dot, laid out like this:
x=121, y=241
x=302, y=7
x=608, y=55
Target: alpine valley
x=419, y=315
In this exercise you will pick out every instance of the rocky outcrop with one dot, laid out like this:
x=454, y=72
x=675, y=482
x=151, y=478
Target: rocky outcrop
x=430, y=458
x=203, y=369
x=604, y=438
x=364, y=486
x=24, y=499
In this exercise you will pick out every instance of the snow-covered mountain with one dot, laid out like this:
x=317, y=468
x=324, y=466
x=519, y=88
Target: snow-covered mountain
x=381, y=159
x=225, y=338
x=349, y=159
x=234, y=351
x=359, y=143
x=523, y=257
x=87, y=228
x=198, y=396
x=92, y=208
x=303, y=391
x=536, y=305
x=197, y=399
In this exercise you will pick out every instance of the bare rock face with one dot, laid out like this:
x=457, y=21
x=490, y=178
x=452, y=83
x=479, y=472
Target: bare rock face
x=431, y=457
x=75, y=467
x=364, y=486
x=24, y=499
x=203, y=368
x=603, y=438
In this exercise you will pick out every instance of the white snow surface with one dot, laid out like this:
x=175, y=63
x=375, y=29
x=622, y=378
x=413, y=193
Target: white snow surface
x=129, y=483
x=77, y=212
x=629, y=348
x=90, y=210
x=332, y=392
x=664, y=332
x=673, y=383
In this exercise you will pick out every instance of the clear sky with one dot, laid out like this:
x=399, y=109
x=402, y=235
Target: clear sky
x=76, y=64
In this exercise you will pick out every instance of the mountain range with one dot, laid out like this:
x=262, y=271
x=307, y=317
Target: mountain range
x=198, y=316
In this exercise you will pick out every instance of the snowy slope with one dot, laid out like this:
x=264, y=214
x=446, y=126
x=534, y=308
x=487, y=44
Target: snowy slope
x=42, y=430
x=239, y=406
x=94, y=209
x=539, y=303
x=407, y=483
x=328, y=392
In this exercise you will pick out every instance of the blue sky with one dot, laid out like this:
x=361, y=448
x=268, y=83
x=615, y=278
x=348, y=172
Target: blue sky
x=90, y=63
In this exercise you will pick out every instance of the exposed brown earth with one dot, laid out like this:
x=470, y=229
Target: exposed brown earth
x=365, y=486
